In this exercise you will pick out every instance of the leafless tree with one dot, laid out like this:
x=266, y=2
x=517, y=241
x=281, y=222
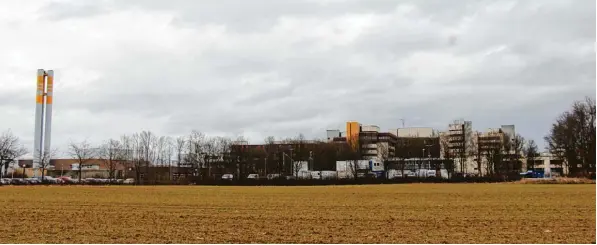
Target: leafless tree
x=513, y=151
x=531, y=153
x=383, y=153
x=448, y=156
x=270, y=151
x=572, y=137
x=195, y=151
x=210, y=153
x=132, y=146
x=494, y=157
x=147, y=151
x=111, y=153
x=44, y=160
x=240, y=156
x=223, y=152
x=10, y=150
x=83, y=152
x=477, y=151
x=354, y=157
x=181, y=152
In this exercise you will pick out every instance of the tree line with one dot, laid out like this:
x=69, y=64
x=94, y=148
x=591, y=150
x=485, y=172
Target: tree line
x=571, y=138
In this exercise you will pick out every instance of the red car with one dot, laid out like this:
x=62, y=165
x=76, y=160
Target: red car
x=67, y=180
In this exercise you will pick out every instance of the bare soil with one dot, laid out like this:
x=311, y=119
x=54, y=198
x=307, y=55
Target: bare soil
x=408, y=213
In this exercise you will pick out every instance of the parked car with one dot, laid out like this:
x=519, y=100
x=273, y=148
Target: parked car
x=67, y=180
x=88, y=181
x=532, y=174
x=129, y=181
x=19, y=182
x=48, y=180
x=227, y=177
x=431, y=173
x=395, y=175
x=6, y=181
x=273, y=176
x=32, y=181
x=253, y=176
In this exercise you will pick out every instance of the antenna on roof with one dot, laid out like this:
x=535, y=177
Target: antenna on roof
x=402, y=119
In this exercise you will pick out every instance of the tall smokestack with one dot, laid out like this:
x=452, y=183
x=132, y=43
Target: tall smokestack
x=39, y=111
x=48, y=111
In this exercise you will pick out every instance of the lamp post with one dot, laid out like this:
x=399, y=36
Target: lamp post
x=291, y=162
x=422, y=160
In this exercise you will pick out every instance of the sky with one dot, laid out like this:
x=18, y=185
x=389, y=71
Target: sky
x=284, y=67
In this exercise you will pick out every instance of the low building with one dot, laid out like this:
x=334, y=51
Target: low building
x=548, y=164
x=93, y=168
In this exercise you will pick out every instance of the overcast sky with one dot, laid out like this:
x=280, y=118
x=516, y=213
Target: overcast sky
x=280, y=67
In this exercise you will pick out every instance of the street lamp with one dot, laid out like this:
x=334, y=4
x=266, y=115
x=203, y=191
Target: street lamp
x=291, y=161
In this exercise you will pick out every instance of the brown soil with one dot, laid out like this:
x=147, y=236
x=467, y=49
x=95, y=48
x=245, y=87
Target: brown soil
x=416, y=213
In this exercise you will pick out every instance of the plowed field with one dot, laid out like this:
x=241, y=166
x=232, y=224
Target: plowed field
x=417, y=213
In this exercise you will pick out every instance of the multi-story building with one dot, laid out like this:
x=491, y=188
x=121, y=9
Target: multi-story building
x=491, y=142
x=369, y=141
x=458, y=143
x=417, y=142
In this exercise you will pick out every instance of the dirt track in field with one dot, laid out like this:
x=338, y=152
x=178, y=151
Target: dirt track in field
x=417, y=213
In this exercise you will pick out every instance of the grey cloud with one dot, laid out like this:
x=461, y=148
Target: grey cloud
x=72, y=10
x=179, y=74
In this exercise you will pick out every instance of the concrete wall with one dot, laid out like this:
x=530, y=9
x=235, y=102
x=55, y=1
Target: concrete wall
x=369, y=128
x=413, y=132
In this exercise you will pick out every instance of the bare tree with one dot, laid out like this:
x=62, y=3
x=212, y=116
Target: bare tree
x=195, y=151
x=181, y=150
x=572, y=137
x=44, y=160
x=10, y=150
x=353, y=158
x=83, y=152
x=513, y=152
x=270, y=153
x=210, y=153
x=111, y=153
x=147, y=151
x=240, y=155
x=494, y=157
x=448, y=156
x=478, y=153
x=132, y=146
x=223, y=150
x=383, y=153
x=531, y=153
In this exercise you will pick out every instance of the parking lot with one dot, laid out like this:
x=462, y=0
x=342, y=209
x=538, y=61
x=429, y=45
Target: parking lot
x=64, y=180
